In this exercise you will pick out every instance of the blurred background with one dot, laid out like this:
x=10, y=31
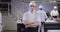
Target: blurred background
x=12, y=10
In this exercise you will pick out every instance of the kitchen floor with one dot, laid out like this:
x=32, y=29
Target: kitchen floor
x=10, y=31
x=47, y=31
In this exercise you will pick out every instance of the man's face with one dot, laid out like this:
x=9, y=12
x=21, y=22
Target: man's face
x=40, y=8
x=55, y=9
x=32, y=7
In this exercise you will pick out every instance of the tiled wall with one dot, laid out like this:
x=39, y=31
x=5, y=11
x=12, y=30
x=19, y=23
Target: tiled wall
x=18, y=8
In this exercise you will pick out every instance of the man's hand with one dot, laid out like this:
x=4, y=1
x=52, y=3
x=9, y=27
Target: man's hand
x=37, y=23
x=45, y=19
x=34, y=24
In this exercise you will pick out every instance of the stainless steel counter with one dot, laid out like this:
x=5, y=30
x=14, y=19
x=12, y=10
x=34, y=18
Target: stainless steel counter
x=51, y=26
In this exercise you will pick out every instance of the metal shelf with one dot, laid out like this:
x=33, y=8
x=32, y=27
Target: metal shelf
x=5, y=11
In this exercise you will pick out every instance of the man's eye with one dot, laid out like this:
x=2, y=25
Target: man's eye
x=32, y=6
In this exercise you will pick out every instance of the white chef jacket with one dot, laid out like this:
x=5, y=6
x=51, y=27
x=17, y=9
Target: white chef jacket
x=42, y=15
x=54, y=13
x=33, y=17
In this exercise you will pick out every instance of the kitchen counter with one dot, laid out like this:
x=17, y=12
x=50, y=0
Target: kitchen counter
x=51, y=26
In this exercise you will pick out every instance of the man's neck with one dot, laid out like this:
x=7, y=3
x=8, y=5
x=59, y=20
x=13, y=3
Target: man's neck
x=32, y=11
